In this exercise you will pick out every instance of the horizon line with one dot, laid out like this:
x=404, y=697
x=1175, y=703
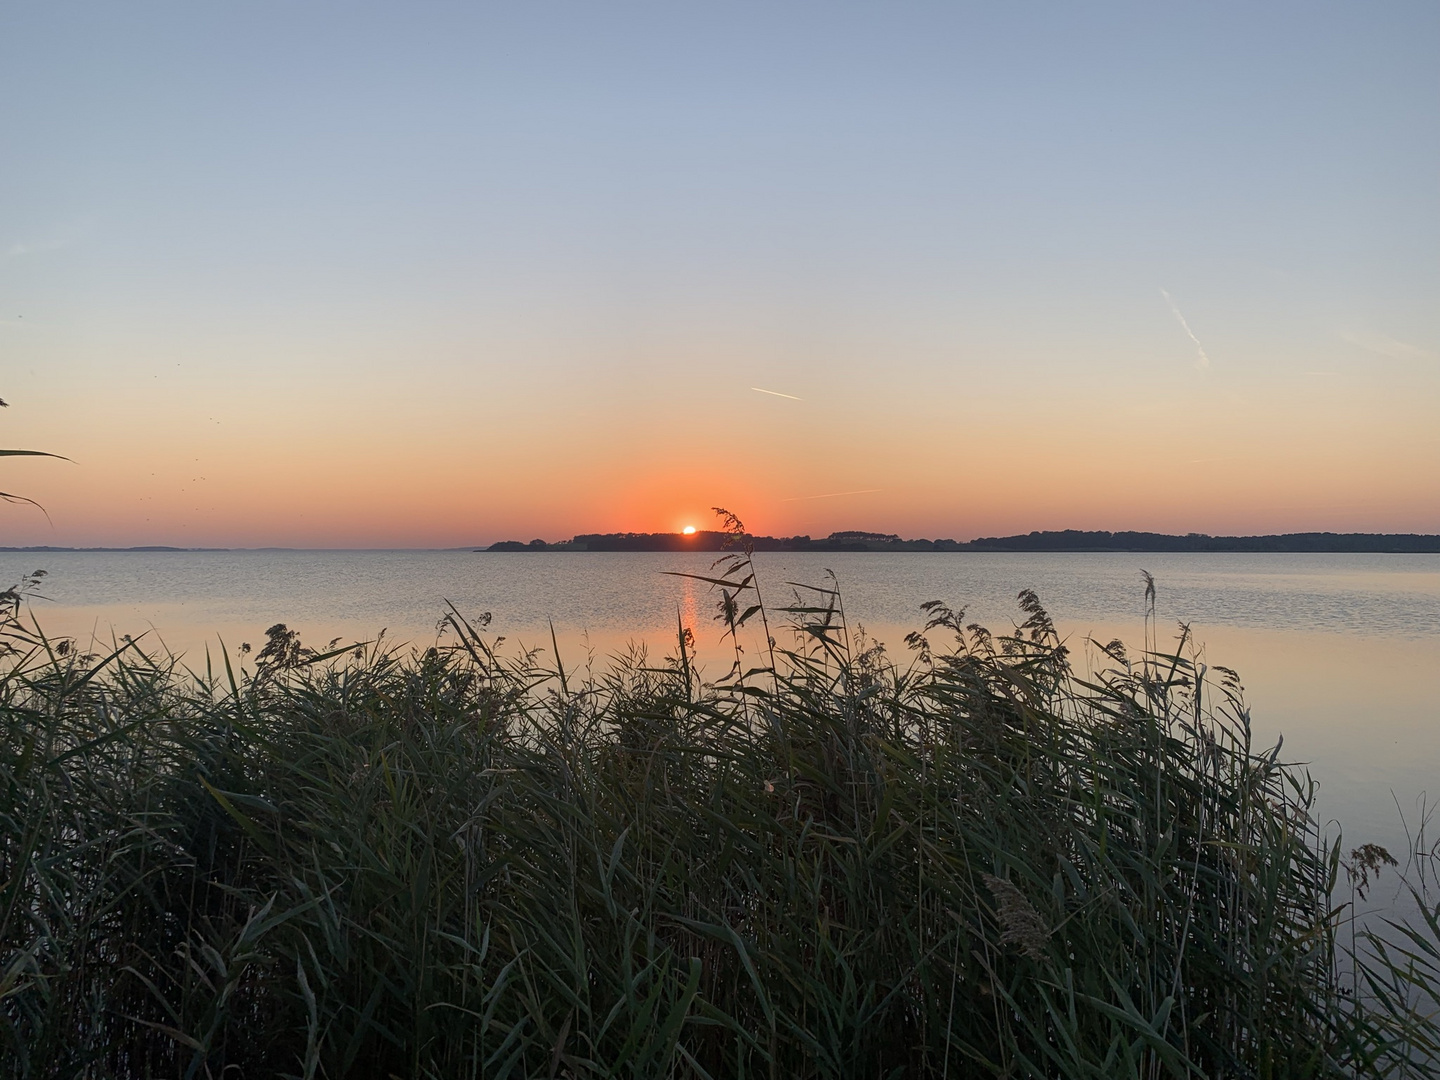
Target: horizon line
x=482, y=545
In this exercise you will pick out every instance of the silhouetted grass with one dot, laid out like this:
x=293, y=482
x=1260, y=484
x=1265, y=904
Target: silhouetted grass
x=448, y=863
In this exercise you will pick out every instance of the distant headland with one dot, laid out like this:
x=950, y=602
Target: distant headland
x=1064, y=540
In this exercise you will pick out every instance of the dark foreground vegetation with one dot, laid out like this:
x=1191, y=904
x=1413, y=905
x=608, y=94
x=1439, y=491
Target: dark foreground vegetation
x=978, y=860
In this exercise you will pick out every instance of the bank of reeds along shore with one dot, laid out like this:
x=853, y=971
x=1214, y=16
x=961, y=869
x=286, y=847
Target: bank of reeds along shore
x=967, y=858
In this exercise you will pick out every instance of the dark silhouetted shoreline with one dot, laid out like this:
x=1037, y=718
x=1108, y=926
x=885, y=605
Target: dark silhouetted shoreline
x=1055, y=541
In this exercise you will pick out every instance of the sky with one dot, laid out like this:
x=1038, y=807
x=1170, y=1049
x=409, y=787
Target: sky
x=433, y=275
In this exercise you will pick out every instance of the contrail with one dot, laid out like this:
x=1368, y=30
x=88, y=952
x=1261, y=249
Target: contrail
x=1204, y=362
x=777, y=393
x=832, y=494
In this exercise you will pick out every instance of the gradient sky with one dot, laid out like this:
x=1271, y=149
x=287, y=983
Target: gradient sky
x=434, y=275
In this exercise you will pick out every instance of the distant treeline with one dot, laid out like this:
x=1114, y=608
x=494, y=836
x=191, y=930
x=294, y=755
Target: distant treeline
x=1077, y=540
x=707, y=540
x=1065, y=540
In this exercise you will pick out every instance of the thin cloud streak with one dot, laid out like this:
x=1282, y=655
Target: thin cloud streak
x=776, y=393
x=833, y=494
x=1204, y=362
x=21, y=248
x=1388, y=346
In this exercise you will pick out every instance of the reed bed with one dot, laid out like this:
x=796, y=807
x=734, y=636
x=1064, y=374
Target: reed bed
x=974, y=859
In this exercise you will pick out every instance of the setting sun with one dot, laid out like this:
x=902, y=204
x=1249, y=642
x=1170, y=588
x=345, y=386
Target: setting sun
x=689, y=530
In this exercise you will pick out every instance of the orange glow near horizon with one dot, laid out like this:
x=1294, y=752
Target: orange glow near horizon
x=192, y=488
x=302, y=470
x=312, y=457
x=299, y=464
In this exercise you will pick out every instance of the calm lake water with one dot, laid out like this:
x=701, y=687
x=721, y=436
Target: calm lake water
x=1340, y=654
